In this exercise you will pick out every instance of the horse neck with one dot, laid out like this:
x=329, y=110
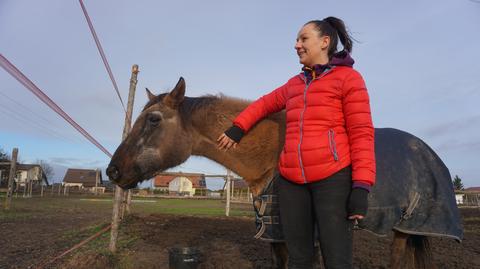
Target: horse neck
x=209, y=123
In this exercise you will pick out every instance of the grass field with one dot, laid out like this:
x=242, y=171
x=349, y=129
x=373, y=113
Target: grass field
x=31, y=207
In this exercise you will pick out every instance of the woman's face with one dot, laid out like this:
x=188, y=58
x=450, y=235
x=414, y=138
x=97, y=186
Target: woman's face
x=311, y=47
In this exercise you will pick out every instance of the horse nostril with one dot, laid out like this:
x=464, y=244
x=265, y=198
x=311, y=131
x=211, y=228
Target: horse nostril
x=113, y=173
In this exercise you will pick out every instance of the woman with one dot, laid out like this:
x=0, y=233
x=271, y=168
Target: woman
x=327, y=165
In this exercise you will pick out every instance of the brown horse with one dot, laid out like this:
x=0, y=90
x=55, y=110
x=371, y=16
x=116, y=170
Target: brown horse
x=172, y=127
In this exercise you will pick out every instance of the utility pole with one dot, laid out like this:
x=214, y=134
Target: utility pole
x=13, y=170
x=119, y=193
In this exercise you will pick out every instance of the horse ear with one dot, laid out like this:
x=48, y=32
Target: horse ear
x=175, y=97
x=150, y=94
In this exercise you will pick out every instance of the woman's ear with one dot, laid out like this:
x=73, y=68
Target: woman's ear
x=325, y=42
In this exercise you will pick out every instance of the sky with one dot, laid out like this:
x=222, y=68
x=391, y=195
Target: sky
x=419, y=60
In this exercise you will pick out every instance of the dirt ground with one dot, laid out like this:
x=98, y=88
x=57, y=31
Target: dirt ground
x=29, y=235
x=228, y=243
x=28, y=238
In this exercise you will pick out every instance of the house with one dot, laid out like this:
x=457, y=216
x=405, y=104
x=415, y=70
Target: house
x=459, y=197
x=239, y=184
x=178, y=183
x=472, y=189
x=239, y=189
x=84, y=179
x=472, y=196
x=25, y=174
x=468, y=197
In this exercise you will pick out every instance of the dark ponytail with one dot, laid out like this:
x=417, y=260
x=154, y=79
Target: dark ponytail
x=335, y=29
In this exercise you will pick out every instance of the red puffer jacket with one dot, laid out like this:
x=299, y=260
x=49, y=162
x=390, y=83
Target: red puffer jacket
x=328, y=126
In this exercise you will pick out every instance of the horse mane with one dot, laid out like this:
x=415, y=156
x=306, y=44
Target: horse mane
x=191, y=105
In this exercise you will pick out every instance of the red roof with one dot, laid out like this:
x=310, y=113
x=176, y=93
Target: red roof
x=475, y=189
x=239, y=183
x=163, y=179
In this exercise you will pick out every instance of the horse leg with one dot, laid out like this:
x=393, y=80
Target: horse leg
x=398, y=248
x=279, y=255
x=419, y=251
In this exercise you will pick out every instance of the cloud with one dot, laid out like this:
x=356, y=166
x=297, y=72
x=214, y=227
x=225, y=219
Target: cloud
x=460, y=145
x=459, y=125
x=77, y=162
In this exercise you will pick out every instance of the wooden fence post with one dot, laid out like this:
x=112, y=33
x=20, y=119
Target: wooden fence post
x=228, y=189
x=31, y=188
x=13, y=171
x=131, y=96
x=97, y=177
x=25, y=188
x=117, y=203
x=124, y=204
x=129, y=201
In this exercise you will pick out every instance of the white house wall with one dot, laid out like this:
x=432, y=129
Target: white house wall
x=181, y=185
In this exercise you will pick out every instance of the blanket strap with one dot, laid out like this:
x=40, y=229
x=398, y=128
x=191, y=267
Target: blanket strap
x=411, y=206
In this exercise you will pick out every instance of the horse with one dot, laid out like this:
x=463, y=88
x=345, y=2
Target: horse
x=413, y=196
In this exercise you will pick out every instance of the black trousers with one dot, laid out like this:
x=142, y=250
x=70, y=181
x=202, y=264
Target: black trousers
x=325, y=203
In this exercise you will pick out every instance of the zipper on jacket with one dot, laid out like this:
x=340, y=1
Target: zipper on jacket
x=301, y=118
x=333, y=145
x=301, y=130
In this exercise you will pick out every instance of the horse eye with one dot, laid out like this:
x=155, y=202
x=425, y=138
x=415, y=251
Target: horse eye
x=153, y=119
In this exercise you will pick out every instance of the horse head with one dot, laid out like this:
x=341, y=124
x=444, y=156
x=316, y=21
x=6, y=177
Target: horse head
x=152, y=144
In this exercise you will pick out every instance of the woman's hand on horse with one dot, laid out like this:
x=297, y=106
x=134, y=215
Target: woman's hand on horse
x=354, y=217
x=225, y=143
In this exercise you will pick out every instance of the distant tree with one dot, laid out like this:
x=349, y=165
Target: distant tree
x=4, y=155
x=457, y=183
x=47, y=168
x=4, y=174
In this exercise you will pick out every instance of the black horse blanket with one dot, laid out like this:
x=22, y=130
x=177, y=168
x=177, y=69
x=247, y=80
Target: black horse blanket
x=413, y=193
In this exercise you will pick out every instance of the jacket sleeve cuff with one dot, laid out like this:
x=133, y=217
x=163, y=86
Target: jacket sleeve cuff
x=235, y=133
x=361, y=185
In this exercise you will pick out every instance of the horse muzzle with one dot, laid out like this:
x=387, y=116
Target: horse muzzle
x=113, y=173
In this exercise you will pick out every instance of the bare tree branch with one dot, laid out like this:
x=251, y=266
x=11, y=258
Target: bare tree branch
x=47, y=168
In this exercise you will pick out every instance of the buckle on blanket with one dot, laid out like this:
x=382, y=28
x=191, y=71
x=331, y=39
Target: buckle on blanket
x=267, y=215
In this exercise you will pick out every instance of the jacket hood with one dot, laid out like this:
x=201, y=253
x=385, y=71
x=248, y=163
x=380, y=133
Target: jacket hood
x=342, y=58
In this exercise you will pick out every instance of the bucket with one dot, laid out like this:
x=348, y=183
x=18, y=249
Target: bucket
x=183, y=258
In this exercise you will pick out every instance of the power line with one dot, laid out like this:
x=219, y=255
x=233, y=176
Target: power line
x=41, y=125
x=20, y=77
x=31, y=123
x=102, y=54
x=26, y=108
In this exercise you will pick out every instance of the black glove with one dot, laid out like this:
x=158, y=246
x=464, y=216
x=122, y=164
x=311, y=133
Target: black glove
x=358, y=202
x=235, y=133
